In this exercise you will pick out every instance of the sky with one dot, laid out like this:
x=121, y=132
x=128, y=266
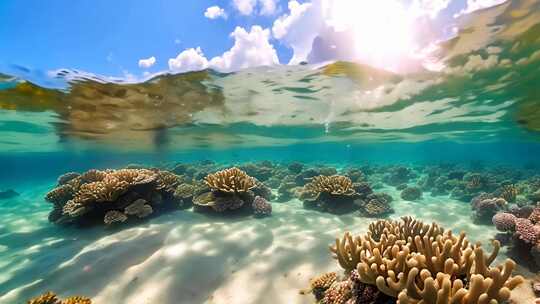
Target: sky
x=135, y=39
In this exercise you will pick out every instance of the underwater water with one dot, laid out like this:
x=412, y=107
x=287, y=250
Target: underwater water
x=210, y=187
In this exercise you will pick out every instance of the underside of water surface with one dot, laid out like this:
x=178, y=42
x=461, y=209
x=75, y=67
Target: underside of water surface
x=229, y=187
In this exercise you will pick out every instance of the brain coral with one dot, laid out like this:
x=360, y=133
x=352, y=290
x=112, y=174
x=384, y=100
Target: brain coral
x=526, y=230
x=504, y=221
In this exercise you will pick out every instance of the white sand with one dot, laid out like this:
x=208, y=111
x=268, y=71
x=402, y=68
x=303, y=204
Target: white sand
x=185, y=257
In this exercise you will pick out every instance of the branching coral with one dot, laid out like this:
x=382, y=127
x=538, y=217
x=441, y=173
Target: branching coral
x=136, y=177
x=167, y=181
x=232, y=180
x=376, y=204
x=106, y=190
x=337, y=185
x=51, y=298
x=66, y=177
x=509, y=193
x=77, y=300
x=46, y=298
x=93, y=175
x=475, y=182
x=319, y=284
x=60, y=195
x=535, y=215
x=419, y=263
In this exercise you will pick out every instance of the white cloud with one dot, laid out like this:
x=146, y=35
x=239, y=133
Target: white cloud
x=248, y=7
x=299, y=27
x=189, y=60
x=250, y=49
x=148, y=62
x=387, y=33
x=474, y=5
x=245, y=7
x=214, y=12
x=268, y=7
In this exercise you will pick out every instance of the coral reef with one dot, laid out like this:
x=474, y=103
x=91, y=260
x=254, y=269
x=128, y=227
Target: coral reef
x=504, y=221
x=233, y=189
x=420, y=263
x=295, y=167
x=485, y=206
x=411, y=193
x=231, y=180
x=111, y=196
x=524, y=229
x=333, y=193
x=375, y=205
x=51, y=298
x=261, y=207
x=398, y=175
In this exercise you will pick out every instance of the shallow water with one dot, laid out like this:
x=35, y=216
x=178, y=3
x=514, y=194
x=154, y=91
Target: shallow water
x=479, y=115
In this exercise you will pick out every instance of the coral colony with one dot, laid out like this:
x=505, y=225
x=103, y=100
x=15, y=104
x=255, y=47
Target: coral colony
x=396, y=261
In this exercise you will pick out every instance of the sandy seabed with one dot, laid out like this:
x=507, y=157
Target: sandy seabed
x=186, y=257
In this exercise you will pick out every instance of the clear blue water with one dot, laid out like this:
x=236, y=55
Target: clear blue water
x=479, y=114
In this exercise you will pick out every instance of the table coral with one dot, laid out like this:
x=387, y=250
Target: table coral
x=112, y=196
x=334, y=194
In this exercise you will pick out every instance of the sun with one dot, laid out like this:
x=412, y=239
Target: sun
x=382, y=30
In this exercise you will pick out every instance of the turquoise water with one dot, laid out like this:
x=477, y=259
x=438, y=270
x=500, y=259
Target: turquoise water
x=432, y=130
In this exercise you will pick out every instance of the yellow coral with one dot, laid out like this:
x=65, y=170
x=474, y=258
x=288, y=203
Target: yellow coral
x=93, y=175
x=323, y=281
x=232, y=180
x=77, y=300
x=51, y=298
x=60, y=195
x=135, y=176
x=107, y=190
x=46, y=298
x=509, y=193
x=334, y=185
x=167, y=181
x=421, y=263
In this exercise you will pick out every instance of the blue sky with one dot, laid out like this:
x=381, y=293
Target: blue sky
x=110, y=37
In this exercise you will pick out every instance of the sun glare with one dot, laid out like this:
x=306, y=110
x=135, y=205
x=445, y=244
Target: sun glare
x=382, y=30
